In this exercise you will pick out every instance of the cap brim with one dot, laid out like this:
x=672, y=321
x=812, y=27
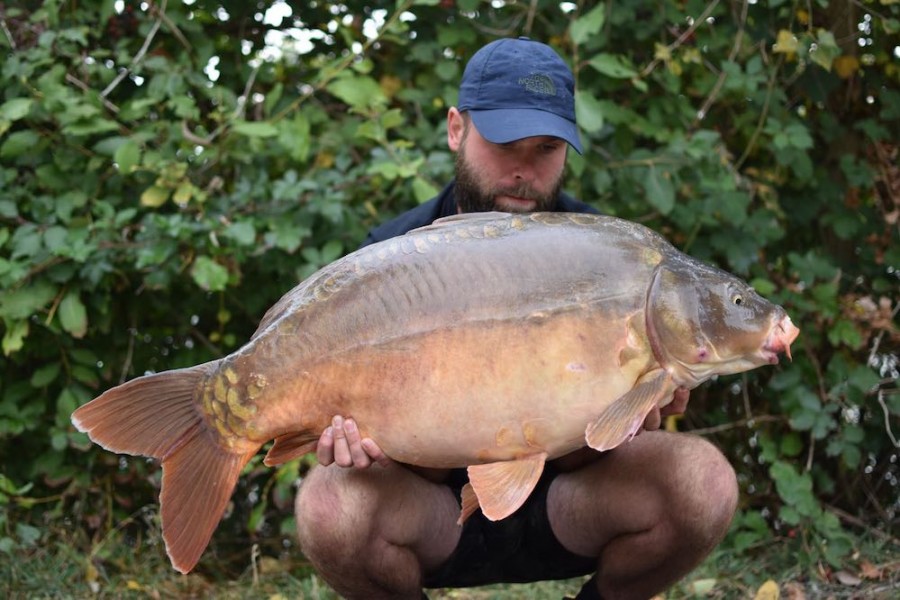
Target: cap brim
x=505, y=125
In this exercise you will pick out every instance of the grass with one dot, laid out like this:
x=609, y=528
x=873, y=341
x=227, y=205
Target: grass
x=124, y=566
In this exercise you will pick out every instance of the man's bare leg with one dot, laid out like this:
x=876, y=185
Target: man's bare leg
x=651, y=511
x=371, y=533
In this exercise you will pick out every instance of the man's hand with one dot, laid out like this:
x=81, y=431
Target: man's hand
x=675, y=407
x=341, y=444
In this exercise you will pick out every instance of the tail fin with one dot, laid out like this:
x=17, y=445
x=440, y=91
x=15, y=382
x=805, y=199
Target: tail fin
x=157, y=416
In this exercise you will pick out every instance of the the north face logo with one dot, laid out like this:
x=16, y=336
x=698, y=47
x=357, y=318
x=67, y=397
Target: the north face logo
x=538, y=84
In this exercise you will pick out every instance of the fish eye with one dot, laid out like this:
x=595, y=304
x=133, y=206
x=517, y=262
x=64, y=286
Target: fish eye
x=737, y=300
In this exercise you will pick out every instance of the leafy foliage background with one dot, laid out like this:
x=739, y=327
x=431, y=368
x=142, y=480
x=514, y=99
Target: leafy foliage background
x=169, y=169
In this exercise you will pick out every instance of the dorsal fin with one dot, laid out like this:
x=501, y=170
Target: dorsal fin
x=468, y=218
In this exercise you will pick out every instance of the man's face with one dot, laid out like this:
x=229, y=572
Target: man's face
x=521, y=176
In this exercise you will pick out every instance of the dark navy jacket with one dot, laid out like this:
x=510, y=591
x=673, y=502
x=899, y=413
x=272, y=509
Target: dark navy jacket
x=444, y=205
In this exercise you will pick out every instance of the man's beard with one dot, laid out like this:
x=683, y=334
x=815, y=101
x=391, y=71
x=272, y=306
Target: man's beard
x=470, y=197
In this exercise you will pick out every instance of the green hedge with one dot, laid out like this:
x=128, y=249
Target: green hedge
x=167, y=172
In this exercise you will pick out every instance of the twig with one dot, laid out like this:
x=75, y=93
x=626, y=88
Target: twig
x=254, y=562
x=241, y=107
x=762, y=117
x=129, y=354
x=717, y=87
x=344, y=63
x=9, y=35
x=529, y=21
x=193, y=137
x=174, y=29
x=85, y=88
x=736, y=424
x=881, y=333
x=239, y=111
x=887, y=416
x=745, y=394
x=687, y=33
x=809, y=454
x=845, y=516
x=137, y=57
x=868, y=9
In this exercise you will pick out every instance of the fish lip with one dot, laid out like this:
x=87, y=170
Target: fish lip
x=782, y=335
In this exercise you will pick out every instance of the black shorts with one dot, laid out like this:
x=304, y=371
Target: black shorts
x=518, y=549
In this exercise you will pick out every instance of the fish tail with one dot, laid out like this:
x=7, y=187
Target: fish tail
x=159, y=416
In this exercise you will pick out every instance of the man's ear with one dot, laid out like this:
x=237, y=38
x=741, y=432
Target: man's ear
x=455, y=127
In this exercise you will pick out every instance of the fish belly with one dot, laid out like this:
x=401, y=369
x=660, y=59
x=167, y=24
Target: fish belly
x=477, y=392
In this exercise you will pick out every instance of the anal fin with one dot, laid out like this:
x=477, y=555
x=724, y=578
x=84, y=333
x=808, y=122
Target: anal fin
x=622, y=419
x=500, y=488
x=290, y=446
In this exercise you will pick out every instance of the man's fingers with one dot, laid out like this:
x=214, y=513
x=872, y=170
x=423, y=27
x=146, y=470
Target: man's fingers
x=342, y=444
x=341, y=448
x=375, y=453
x=325, y=447
x=358, y=456
x=653, y=420
x=678, y=404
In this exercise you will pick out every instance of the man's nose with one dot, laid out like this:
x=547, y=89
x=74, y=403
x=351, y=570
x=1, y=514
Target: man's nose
x=523, y=169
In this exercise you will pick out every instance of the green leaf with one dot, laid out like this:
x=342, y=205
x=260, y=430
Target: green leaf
x=765, y=287
x=16, y=109
x=90, y=126
x=209, y=275
x=127, y=156
x=588, y=24
x=260, y=129
x=242, y=232
x=423, y=190
x=23, y=302
x=613, y=65
x=360, y=92
x=286, y=235
x=660, y=191
x=55, y=238
x=295, y=137
x=19, y=143
x=14, y=336
x=863, y=378
x=588, y=112
x=825, y=49
x=155, y=196
x=844, y=332
x=73, y=315
x=45, y=375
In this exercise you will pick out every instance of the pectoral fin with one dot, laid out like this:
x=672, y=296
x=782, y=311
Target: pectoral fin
x=625, y=416
x=500, y=488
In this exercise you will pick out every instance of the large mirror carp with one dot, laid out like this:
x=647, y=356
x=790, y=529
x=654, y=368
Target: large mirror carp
x=492, y=341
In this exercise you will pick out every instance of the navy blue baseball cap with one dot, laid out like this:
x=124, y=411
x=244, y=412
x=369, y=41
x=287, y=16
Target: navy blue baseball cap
x=519, y=88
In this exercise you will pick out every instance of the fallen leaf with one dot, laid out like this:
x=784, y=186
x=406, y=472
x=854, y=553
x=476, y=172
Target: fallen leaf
x=794, y=591
x=702, y=587
x=869, y=571
x=846, y=578
x=768, y=591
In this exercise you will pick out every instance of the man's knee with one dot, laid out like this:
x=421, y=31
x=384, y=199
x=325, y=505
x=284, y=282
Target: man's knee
x=708, y=488
x=326, y=513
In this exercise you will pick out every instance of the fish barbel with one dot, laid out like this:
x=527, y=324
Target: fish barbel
x=489, y=341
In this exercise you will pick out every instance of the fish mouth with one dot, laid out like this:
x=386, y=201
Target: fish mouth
x=779, y=340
